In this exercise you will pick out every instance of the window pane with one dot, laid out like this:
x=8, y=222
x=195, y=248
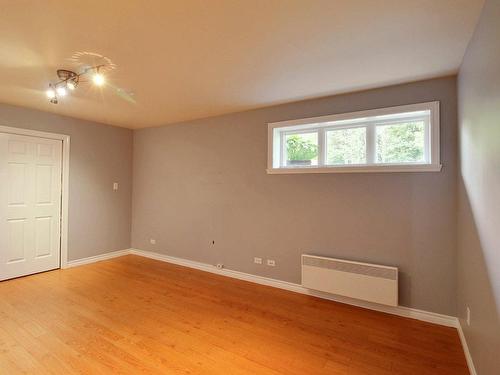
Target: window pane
x=346, y=146
x=301, y=149
x=401, y=143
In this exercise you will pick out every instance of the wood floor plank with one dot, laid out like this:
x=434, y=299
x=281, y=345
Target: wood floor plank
x=133, y=315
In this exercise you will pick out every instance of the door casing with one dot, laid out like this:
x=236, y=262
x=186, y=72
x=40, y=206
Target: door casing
x=65, y=180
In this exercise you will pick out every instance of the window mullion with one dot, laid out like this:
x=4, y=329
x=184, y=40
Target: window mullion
x=321, y=147
x=427, y=142
x=283, y=149
x=370, y=143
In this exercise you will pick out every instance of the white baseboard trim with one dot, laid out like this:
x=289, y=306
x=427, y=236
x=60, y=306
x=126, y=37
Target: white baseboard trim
x=96, y=258
x=468, y=356
x=426, y=316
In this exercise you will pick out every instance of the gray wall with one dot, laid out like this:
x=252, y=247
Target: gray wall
x=206, y=180
x=99, y=219
x=479, y=192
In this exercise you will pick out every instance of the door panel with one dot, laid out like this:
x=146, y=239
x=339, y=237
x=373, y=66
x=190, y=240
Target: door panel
x=30, y=204
x=17, y=240
x=17, y=183
x=17, y=147
x=43, y=184
x=43, y=233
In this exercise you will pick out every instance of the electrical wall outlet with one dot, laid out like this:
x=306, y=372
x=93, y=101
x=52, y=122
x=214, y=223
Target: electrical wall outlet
x=257, y=260
x=271, y=263
x=468, y=316
x=152, y=241
x=219, y=266
x=115, y=186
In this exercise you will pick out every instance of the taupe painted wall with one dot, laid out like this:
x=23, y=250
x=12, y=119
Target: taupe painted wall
x=99, y=219
x=206, y=180
x=479, y=192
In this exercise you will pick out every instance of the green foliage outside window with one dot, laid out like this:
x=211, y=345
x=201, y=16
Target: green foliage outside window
x=395, y=143
x=300, y=148
x=346, y=146
x=401, y=142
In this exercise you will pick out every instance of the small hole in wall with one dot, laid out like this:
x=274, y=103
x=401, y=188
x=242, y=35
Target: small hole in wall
x=213, y=242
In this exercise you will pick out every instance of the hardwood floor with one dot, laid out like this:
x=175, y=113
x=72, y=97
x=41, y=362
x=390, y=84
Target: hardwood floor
x=133, y=315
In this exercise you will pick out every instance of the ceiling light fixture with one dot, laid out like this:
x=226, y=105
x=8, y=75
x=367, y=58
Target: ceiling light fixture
x=98, y=79
x=61, y=91
x=69, y=80
x=51, y=93
x=71, y=85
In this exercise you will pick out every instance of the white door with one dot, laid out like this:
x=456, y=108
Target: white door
x=30, y=204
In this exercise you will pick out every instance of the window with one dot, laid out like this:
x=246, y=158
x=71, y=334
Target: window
x=396, y=139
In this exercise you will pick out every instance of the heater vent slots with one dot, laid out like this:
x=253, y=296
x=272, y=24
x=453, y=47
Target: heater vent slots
x=364, y=281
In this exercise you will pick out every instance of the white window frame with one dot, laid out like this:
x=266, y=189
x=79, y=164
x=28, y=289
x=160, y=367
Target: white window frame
x=278, y=130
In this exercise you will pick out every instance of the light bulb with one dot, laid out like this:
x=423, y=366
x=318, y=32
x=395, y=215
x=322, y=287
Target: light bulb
x=98, y=79
x=61, y=91
x=50, y=93
x=70, y=85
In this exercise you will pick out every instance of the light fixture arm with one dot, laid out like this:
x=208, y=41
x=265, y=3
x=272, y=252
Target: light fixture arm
x=70, y=79
x=68, y=75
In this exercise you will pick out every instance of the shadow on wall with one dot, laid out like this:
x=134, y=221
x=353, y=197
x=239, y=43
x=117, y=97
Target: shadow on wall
x=476, y=286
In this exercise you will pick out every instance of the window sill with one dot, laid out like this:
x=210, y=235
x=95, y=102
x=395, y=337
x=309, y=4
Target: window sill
x=359, y=169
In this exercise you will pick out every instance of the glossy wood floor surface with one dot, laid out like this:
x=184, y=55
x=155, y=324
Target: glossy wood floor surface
x=133, y=315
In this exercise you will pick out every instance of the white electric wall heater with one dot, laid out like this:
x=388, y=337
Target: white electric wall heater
x=364, y=281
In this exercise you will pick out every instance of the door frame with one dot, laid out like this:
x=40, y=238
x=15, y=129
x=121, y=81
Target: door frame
x=63, y=263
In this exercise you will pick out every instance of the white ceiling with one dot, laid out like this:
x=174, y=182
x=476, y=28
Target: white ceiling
x=187, y=59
